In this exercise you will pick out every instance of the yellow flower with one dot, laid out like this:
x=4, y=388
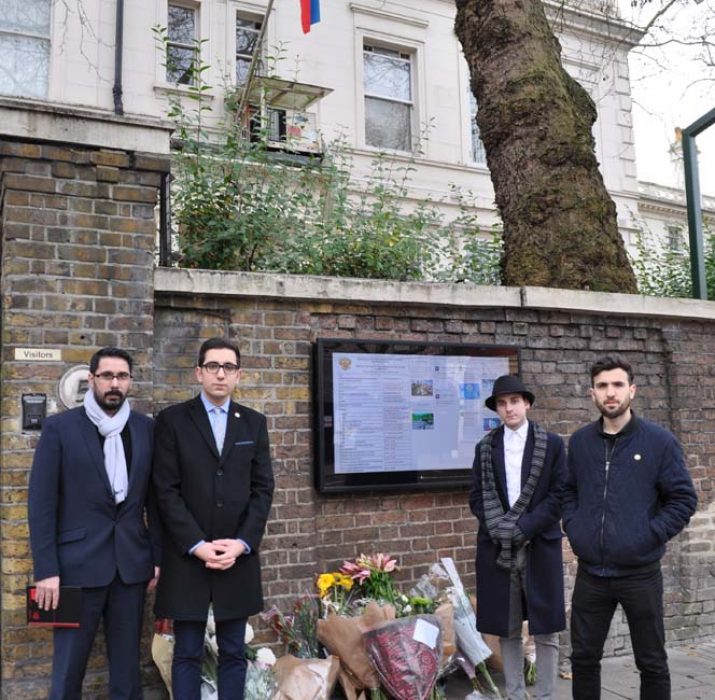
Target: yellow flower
x=343, y=580
x=325, y=583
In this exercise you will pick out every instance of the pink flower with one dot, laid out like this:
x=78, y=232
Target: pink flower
x=357, y=570
x=383, y=562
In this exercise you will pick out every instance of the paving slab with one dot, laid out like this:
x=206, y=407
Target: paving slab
x=692, y=672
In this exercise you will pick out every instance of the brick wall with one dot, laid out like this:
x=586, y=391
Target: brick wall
x=78, y=229
x=310, y=533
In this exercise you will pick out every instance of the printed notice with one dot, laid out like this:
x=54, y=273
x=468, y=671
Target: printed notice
x=410, y=412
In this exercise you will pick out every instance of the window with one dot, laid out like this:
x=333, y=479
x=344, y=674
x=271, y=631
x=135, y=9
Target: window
x=24, y=47
x=269, y=125
x=387, y=81
x=675, y=238
x=181, y=47
x=478, y=154
x=247, y=33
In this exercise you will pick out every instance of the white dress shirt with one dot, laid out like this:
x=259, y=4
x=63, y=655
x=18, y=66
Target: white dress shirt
x=514, y=444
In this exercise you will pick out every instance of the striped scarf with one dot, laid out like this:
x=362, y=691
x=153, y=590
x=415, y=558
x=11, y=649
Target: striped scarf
x=501, y=525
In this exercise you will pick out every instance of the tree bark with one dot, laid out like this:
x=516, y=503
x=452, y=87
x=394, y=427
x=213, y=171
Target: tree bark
x=560, y=225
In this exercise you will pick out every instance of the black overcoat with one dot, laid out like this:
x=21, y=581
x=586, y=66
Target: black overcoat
x=206, y=496
x=540, y=522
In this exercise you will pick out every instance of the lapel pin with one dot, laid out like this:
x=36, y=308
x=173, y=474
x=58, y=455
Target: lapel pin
x=237, y=414
x=637, y=457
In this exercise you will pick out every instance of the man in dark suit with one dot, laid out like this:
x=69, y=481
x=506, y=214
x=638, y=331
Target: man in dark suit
x=519, y=471
x=214, y=484
x=87, y=503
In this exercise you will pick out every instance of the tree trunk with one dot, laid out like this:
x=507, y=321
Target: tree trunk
x=560, y=227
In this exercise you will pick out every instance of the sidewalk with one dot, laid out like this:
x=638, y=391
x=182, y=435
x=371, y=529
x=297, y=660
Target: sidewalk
x=692, y=672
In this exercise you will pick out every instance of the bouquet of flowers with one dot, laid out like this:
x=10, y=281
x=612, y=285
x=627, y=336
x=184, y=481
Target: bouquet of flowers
x=305, y=679
x=162, y=651
x=469, y=640
x=342, y=636
x=261, y=681
x=373, y=575
x=299, y=630
x=334, y=589
x=406, y=653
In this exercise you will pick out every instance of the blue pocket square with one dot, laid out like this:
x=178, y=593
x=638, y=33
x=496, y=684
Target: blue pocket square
x=243, y=442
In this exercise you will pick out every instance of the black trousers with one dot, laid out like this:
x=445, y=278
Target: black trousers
x=121, y=607
x=189, y=652
x=593, y=604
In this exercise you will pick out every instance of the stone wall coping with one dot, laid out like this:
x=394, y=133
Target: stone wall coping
x=340, y=289
x=26, y=118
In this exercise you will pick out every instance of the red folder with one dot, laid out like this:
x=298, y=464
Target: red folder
x=67, y=614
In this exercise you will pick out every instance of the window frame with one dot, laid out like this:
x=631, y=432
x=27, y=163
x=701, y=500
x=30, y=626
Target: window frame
x=195, y=47
x=44, y=39
x=403, y=52
x=239, y=14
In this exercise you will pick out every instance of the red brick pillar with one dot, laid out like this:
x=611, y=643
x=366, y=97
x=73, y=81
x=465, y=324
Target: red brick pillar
x=78, y=229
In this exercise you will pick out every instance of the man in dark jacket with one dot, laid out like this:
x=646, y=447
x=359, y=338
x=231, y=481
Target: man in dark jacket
x=518, y=475
x=89, y=495
x=627, y=493
x=214, y=485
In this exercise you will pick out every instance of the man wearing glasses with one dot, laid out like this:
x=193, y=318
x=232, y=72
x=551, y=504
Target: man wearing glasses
x=88, y=500
x=214, y=485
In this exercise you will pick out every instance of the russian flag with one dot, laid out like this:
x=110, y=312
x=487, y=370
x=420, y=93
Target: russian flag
x=309, y=13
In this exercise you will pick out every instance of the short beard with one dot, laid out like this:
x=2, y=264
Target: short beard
x=113, y=405
x=615, y=412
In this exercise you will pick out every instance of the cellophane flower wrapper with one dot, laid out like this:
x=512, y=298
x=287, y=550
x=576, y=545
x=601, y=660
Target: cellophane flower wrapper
x=261, y=682
x=305, y=679
x=433, y=584
x=343, y=637
x=469, y=639
x=407, y=654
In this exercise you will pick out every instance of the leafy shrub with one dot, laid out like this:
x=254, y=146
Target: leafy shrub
x=239, y=206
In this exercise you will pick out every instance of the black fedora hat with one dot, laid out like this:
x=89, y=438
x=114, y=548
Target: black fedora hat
x=508, y=384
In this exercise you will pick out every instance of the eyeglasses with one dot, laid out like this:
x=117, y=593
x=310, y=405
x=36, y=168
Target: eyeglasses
x=213, y=367
x=110, y=376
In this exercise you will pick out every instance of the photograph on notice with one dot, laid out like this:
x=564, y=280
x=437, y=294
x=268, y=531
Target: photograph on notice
x=469, y=391
x=423, y=421
x=422, y=387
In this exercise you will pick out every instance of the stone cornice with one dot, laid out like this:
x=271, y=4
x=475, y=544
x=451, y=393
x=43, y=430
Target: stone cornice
x=46, y=121
x=466, y=295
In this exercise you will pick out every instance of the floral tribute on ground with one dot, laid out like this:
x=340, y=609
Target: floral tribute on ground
x=391, y=645
x=362, y=632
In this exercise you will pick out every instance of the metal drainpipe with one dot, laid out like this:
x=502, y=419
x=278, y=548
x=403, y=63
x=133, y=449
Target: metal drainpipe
x=118, y=50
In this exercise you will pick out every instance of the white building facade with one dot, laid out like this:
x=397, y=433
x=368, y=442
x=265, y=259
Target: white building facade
x=385, y=75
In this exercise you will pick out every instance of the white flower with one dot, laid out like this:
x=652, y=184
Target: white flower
x=407, y=609
x=265, y=656
x=212, y=644
x=249, y=634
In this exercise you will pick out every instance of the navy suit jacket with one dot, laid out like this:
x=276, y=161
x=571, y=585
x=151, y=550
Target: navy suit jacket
x=77, y=532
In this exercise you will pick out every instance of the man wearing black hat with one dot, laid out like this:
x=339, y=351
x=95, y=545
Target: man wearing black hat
x=518, y=476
